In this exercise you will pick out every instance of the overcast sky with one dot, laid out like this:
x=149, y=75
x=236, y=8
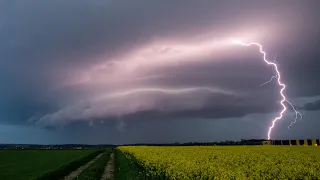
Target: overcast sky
x=123, y=71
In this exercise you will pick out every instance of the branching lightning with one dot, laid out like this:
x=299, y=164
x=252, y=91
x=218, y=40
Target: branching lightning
x=269, y=80
x=297, y=113
x=280, y=83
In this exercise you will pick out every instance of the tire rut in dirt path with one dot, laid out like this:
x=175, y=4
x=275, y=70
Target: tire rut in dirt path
x=109, y=170
x=75, y=173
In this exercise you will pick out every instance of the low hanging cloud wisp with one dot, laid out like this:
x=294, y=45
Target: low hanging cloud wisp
x=124, y=103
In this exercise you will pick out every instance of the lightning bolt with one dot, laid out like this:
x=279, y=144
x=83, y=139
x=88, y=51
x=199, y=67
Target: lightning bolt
x=269, y=80
x=274, y=61
x=280, y=83
x=297, y=114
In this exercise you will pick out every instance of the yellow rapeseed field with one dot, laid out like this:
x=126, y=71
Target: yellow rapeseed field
x=226, y=162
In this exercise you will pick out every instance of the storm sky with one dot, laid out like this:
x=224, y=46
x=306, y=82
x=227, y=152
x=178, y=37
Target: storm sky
x=142, y=71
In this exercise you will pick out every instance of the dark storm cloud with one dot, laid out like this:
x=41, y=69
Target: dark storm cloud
x=215, y=107
x=312, y=106
x=60, y=59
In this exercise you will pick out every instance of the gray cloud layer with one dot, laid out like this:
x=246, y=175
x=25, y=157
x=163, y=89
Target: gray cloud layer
x=312, y=106
x=64, y=62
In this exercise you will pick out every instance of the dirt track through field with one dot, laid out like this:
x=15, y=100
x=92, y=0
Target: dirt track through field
x=75, y=173
x=109, y=171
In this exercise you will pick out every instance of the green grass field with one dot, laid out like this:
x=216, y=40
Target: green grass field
x=125, y=169
x=218, y=162
x=27, y=164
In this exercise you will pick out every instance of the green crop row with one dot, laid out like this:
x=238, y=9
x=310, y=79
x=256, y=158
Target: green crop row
x=126, y=169
x=234, y=162
x=67, y=168
x=96, y=170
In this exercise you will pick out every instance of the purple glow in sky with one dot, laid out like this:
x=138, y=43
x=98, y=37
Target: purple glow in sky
x=130, y=72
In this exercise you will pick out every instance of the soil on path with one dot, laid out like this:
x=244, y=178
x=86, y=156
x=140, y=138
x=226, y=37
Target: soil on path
x=75, y=173
x=109, y=170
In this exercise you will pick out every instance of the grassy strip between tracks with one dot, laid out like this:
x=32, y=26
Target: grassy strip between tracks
x=67, y=168
x=96, y=170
